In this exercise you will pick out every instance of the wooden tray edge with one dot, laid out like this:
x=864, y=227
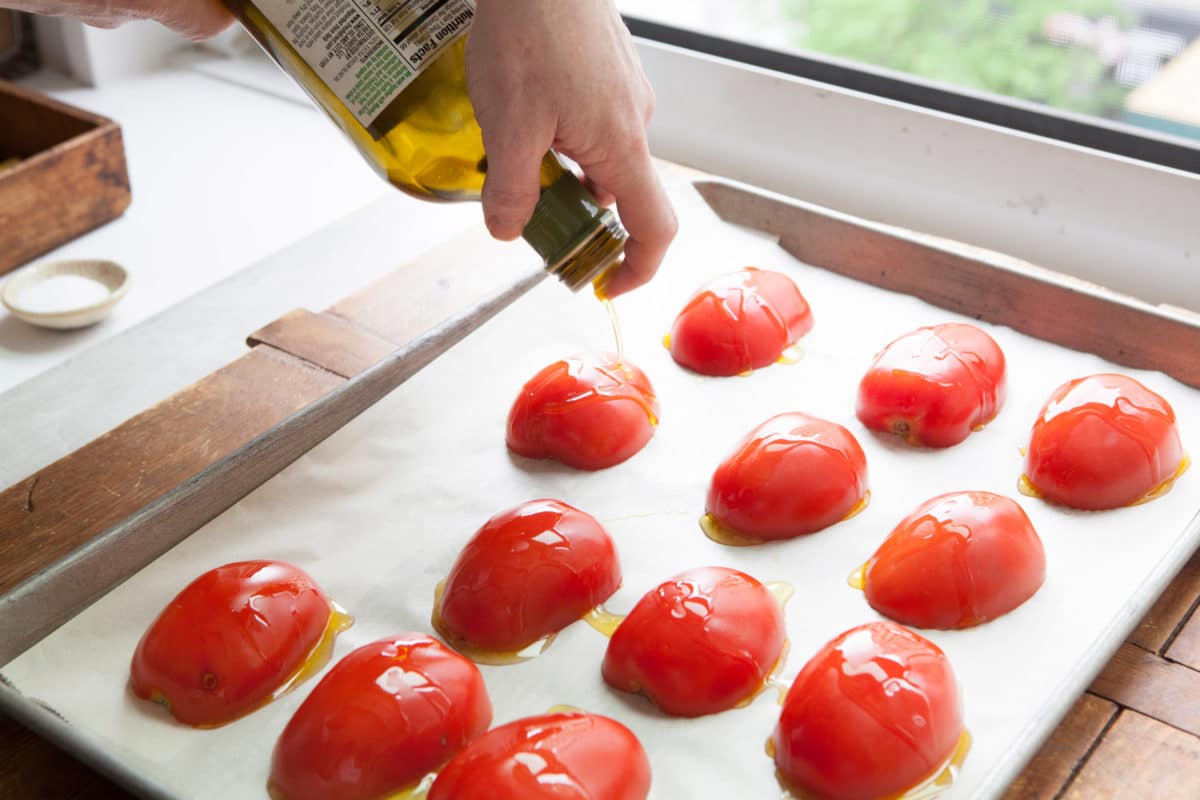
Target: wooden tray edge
x=982, y=283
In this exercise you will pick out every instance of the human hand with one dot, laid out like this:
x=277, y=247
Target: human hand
x=196, y=19
x=547, y=74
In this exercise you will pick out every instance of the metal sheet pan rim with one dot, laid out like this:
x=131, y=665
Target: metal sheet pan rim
x=1077, y=682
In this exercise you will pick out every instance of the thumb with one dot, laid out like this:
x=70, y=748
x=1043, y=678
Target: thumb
x=513, y=185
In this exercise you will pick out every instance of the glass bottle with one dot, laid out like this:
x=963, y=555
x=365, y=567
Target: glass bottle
x=391, y=74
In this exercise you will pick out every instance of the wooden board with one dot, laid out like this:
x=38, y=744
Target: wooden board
x=74, y=529
x=1066, y=749
x=974, y=282
x=53, y=522
x=1154, y=685
x=1172, y=610
x=32, y=767
x=1139, y=720
x=1140, y=758
x=71, y=176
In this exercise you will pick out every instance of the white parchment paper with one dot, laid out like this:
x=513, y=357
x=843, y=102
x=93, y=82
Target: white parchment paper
x=378, y=513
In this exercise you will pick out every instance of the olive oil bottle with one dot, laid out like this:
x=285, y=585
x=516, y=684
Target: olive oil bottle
x=391, y=74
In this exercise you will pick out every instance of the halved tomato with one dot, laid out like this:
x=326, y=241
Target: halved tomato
x=961, y=559
x=528, y=572
x=874, y=713
x=792, y=475
x=233, y=639
x=1104, y=441
x=549, y=757
x=702, y=642
x=385, y=716
x=739, y=322
x=935, y=385
x=589, y=412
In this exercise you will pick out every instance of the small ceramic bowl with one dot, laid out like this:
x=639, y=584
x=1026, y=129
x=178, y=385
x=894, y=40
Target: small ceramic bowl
x=108, y=274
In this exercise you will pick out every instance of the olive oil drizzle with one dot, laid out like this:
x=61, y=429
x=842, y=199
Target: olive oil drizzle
x=616, y=328
x=935, y=785
x=722, y=534
x=481, y=655
x=792, y=354
x=418, y=791
x=314, y=662
x=604, y=620
x=1165, y=486
x=1027, y=487
x=782, y=592
x=858, y=578
x=322, y=652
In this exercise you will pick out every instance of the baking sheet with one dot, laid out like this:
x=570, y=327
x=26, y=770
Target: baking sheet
x=379, y=511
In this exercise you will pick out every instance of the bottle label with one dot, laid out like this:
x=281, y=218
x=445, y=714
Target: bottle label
x=367, y=51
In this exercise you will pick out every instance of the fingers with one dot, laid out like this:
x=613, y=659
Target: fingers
x=603, y=197
x=515, y=151
x=645, y=211
x=195, y=19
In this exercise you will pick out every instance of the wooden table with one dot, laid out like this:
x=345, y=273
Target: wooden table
x=1136, y=732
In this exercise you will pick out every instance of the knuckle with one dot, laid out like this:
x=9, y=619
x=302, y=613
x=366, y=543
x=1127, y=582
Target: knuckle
x=650, y=103
x=507, y=137
x=505, y=197
x=507, y=143
x=670, y=226
x=628, y=135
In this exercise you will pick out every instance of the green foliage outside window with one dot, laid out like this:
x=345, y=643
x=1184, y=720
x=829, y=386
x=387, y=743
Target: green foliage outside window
x=994, y=46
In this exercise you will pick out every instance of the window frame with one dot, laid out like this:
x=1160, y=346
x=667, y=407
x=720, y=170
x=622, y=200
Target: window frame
x=1095, y=133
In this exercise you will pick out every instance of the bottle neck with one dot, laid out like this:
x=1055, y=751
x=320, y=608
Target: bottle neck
x=577, y=238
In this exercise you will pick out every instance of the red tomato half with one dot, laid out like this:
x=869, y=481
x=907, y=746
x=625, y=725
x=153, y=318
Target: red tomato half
x=738, y=322
x=959, y=560
x=934, y=386
x=588, y=412
x=700, y=643
x=386, y=715
x=528, y=572
x=874, y=713
x=794, y=474
x=1104, y=441
x=230, y=640
x=567, y=756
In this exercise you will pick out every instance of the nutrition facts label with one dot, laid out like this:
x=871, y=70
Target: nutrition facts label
x=367, y=51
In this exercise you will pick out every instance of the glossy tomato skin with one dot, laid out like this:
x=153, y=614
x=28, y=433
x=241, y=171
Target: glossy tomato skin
x=229, y=640
x=700, y=643
x=550, y=757
x=386, y=715
x=739, y=322
x=959, y=560
x=934, y=385
x=1104, y=441
x=528, y=572
x=588, y=412
x=792, y=475
x=874, y=713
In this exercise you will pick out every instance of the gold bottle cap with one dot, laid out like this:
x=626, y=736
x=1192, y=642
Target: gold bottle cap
x=576, y=236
